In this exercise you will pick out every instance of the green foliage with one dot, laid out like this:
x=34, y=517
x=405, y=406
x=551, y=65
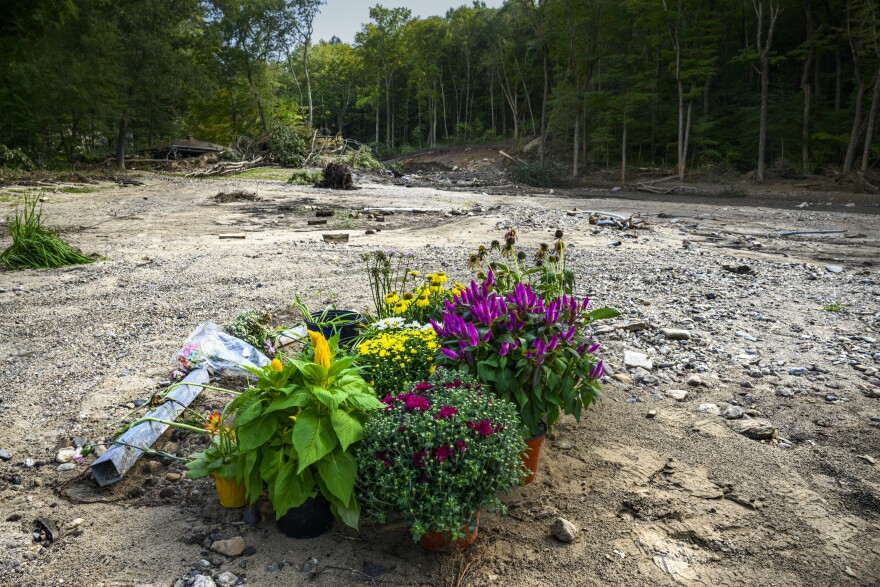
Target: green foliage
x=15, y=159
x=543, y=174
x=35, y=246
x=295, y=430
x=288, y=147
x=253, y=326
x=305, y=177
x=833, y=307
x=438, y=455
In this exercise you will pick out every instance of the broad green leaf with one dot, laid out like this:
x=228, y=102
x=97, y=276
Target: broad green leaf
x=325, y=397
x=337, y=471
x=340, y=364
x=604, y=314
x=363, y=401
x=299, y=399
x=349, y=514
x=348, y=428
x=315, y=374
x=290, y=489
x=256, y=433
x=248, y=413
x=313, y=437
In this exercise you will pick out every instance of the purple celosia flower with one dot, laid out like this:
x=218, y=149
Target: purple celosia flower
x=598, y=371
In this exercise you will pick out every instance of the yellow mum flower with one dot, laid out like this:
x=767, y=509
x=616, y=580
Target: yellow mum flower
x=441, y=277
x=322, y=349
x=276, y=365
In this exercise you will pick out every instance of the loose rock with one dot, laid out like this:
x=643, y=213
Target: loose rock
x=757, y=429
x=232, y=547
x=677, y=394
x=733, y=413
x=227, y=579
x=65, y=455
x=635, y=360
x=675, y=334
x=203, y=581
x=711, y=409
x=565, y=530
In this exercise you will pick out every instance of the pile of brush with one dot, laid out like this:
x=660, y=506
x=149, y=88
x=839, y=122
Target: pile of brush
x=35, y=246
x=337, y=176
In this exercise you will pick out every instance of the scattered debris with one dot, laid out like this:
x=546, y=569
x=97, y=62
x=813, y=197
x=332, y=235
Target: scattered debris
x=227, y=168
x=798, y=232
x=740, y=269
x=335, y=238
x=232, y=236
x=236, y=196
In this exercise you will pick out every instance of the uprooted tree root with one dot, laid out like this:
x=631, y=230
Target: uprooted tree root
x=337, y=177
x=236, y=196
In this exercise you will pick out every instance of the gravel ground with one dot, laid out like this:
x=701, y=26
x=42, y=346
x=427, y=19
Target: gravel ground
x=741, y=451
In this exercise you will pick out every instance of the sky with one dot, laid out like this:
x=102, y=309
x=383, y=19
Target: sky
x=344, y=18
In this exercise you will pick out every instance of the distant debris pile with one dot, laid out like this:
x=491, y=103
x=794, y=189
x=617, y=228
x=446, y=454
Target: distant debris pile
x=337, y=177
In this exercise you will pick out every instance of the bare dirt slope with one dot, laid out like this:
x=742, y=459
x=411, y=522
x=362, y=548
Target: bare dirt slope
x=665, y=491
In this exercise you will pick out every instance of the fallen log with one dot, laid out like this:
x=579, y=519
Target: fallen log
x=514, y=159
x=797, y=232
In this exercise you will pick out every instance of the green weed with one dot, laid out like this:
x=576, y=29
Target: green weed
x=34, y=245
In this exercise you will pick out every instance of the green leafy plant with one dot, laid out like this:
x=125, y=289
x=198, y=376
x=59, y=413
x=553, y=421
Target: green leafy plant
x=305, y=177
x=544, y=174
x=833, y=307
x=34, y=245
x=296, y=428
x=438, y=454
x=533, y=351
x=253, y=326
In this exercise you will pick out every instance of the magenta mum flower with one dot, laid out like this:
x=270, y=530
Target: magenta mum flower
x=445, y=412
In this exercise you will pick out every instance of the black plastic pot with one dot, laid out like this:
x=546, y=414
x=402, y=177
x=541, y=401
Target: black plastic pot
x=344, y=322
x=309, y=520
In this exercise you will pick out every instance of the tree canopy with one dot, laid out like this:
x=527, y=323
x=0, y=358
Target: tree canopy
x=784, y=85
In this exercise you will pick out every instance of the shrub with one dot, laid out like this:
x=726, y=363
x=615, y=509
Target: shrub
x=15, y=159
x=544, y=174
x=288, y=147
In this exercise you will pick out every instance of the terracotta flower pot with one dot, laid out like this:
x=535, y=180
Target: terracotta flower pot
x=440, y=541
x=230, y=492
x=532, y=454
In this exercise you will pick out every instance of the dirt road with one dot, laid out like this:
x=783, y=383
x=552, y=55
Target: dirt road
x=658, y=476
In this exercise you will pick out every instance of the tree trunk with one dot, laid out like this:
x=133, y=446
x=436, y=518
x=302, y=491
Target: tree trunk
x=872, y=118
x=577, y=133
x=623, y=153
x=763, y=46
x=544, y=102
x=259, y=101
x=308, y=81
x=378, y=91
x=807, y=90
x=856, y=132
x=120, y=144
x=838, y=78
x=680, y=161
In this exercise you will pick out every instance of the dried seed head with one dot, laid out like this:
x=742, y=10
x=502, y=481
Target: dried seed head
x=559, y=233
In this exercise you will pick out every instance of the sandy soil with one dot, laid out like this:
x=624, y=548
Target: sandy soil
x=680, y=497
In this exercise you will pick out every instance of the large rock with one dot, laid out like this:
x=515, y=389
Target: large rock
x=757, y=429
x=565, y=530
x=675, y=334
x=634, y=360
x=677, y=394
x=204, y=581
x=232, y=547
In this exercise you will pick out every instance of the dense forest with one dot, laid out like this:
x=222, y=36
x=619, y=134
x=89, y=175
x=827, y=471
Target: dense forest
x=770, y=86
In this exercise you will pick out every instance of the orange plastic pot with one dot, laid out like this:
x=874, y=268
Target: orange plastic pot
x=532, y=454
x=441, y=541
x=230, y=492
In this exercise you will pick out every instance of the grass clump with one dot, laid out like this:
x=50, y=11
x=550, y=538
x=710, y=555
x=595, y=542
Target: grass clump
x=35, y=246
x=833, y=307
x=305, y=177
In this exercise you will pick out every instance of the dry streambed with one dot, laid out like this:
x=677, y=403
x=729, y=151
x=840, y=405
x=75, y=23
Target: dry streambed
x=735, y=442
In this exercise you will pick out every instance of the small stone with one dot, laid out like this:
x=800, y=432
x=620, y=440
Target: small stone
x=746, y=335
x=868, y=459
x=249, y=551
x=139, y=402
x=29, y=463
x=675, y=334
x=565, y=530
x=758, y=429
x=834, y=268
x=203, y=581
x=75, y=523
x=651, y=414
x=79, y=441
x=798, y=371
x=66, y=467
x=309, y=566
x=623, y=378
x=784, y=392
x=168, y=492
x=173, y=476
x=65, y=455
x=694, y=380
x=677, y=394
x=711, y=409
x=5, y=455
x=273, y=567
x=232, y=547
x=733, y=413
x=636, y=360
x=227, y=579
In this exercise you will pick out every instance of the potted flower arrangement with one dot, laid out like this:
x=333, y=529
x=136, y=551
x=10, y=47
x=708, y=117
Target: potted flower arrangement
x=532, y=351
x=437, y=455
x=296, y=429
x=395, y=354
